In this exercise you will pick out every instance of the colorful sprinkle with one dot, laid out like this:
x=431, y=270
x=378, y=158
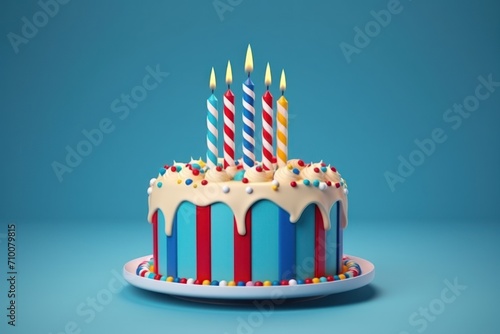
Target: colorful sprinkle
x=293, y=184
x=306, y=182
x=225, y=189
x=316, y=183
x=292, y=282
x=267, y=283
x=275, y=183
x=179, y=181
x=324, y=169
x=170, y=279
x=249, y=190
x=215, y=282
x=308, y=281
x=159, y=184
x=333, y=169
x=240, y=283
x=258, y=283
x=162, y=171
x=316, y=169
x=223, y=283
x=231, y=283
x=258, y=169
x=204, y=182
x=218, y=168
x=337, y=185
x=183, y=281
x=150, y=190
x=296, y=171
x=249, y=283
x=284, y=282
x=244, y=180
x=196, y=172
x=301, y=163
x=206, y=282
x=329, y=183
x=322, y=186
x=315, y=280
x=153, y=180
x=300, y=282
x=173, y=169
x=190, y=281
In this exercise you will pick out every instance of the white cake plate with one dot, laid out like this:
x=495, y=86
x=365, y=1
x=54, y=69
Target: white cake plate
x=249, y=292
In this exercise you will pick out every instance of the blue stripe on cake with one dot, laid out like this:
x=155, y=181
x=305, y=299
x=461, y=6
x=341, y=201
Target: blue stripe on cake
x=222, y=242
x=265, y=251
x=305, y=243
x=186, y=240
x=331, y=263
x=162, y=244
x=172, y=250
x=286, y=245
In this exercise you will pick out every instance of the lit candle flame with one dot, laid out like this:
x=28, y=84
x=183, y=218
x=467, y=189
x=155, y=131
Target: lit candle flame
x=229, y=73
x=267, y=77
x=249, y=60
x=212, y=80
x=283, y=81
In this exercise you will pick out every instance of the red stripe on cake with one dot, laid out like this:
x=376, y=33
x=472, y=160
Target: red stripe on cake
x=155, y=241
x=319, y=244
x=203, y=244
x=243, y=251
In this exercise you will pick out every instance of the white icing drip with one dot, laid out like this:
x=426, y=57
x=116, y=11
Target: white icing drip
x=292, y=200
x=253, y=175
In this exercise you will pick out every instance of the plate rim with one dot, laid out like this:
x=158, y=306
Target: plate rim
x=249, y=292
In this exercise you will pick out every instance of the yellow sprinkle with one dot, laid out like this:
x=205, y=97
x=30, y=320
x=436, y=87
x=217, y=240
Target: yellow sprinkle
x=152, y=268
x=289, y=166
x=275, y=188
x=179, y=181
x=231, y=283
x=170, y=279
x=316, y=280
x=206, y=282
x=342, y=276
x=195, y=185
x=344, y=268
x=267, y=283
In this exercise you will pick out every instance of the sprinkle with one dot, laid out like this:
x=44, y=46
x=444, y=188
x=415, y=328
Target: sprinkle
x=258, y=283
x=329, y=278
x=177, y=280
x=284, y=282
x=301, y=163
x=179, y=168
x=249, y=190
x=170, y=279
x=323, y=279
x=153, y=180
x=333, y=169
x=275, y=188
x=324, y=169
x=258, y=169
x=342, y=276
x=249, y=283
x=315, y=280
x=306, y=182
x=329, y=183
x=218, y=168
x=337, y=185
x=195, y=185
x=166, y=166
x=231, y=283
x=195, y=166
x=225, y=189
x=299, y=281
x=190, y=281
x=244, y=180
x=316, y=183
x=292, y=282
x=293, y=184
x=276, y=282
x=197, y=282
x=267, y=283
x=183, y=281
x=240, y=283
x=206, y=282
x=296, y=171
x=204, y=182
x=162, y=171
x=159, y=184
x=308, y=281
x=189, y=181
x=173, y=169
x=222, y=283
x=322, y=186
x=346, y=191
x=196, y=172
x=215, y=282
x=179, y=181
x=289, y=166
x=275, y=183
x=150, y=190
x=323, y=164
x=316, y=169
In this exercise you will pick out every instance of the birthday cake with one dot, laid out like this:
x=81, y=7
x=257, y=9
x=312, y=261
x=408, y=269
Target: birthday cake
x=229, y=222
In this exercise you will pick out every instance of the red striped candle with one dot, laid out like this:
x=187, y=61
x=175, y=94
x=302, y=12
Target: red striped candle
x=229, y=120
x=267, y=123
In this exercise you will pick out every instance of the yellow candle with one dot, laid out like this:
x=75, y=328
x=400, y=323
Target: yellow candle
x=282, y=124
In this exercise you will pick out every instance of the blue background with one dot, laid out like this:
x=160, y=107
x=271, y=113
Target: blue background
x=359, y=115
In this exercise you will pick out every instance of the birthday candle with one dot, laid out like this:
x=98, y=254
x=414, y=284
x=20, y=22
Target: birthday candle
x=282, y=116
x=248, y=115
x=212, y=132
x=267, y=123
x=229, y=120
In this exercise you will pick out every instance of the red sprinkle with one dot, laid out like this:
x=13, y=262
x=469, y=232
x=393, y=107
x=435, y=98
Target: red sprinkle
x=183, y=280
x=204, y=182
x=329, y=183
x=329, y=278
x=333, y=169
x=301, y=163
x=258, y=169
x=284, y=282
x=244, y=180
x=337, y=185
x=197, y=282
x=196, y=172
x=218, y=168
x=173, y=169
x=308, y=281
x=316, y=169
x=323, y=164
x=293, y=184
x=166, y=166
x=157, y=277
x=258, y=283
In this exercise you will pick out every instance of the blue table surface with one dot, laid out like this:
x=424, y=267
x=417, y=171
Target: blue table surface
x=431, y=277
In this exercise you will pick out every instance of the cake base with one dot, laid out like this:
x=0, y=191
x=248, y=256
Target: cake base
x=279, y=292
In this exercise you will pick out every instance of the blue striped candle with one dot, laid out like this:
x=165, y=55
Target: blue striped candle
x=212, y=131
x=248, y=115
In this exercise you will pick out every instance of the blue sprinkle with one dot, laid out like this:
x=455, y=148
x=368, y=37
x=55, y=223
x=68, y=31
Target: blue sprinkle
x=214, y=282
x=336, y=278
x=178, y=168
x=177, y=280
x=296, y=171
x=276, y=282
x=316, y=183
x=195, y=165
x=189, y=181
x=323, y=279
x=162, y=171
x=239, y=176
x=159, y=184
x=348, y=274
x=307, y=182
x=163, y=278
x=202, y=171
x=324, y=169
x=299, y=281
x=151, y=275
x=240, y=283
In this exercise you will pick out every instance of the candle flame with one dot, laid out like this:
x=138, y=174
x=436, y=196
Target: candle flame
x=212, y=79
x=249, y=60
x=283, y=81
x=229, y=73
x=267, y=77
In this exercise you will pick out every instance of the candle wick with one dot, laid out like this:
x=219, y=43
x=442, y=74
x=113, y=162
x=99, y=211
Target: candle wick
x=282, y=92
x=228, y=86
x=249, y=74
x=267, y=87
x=212, y=91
